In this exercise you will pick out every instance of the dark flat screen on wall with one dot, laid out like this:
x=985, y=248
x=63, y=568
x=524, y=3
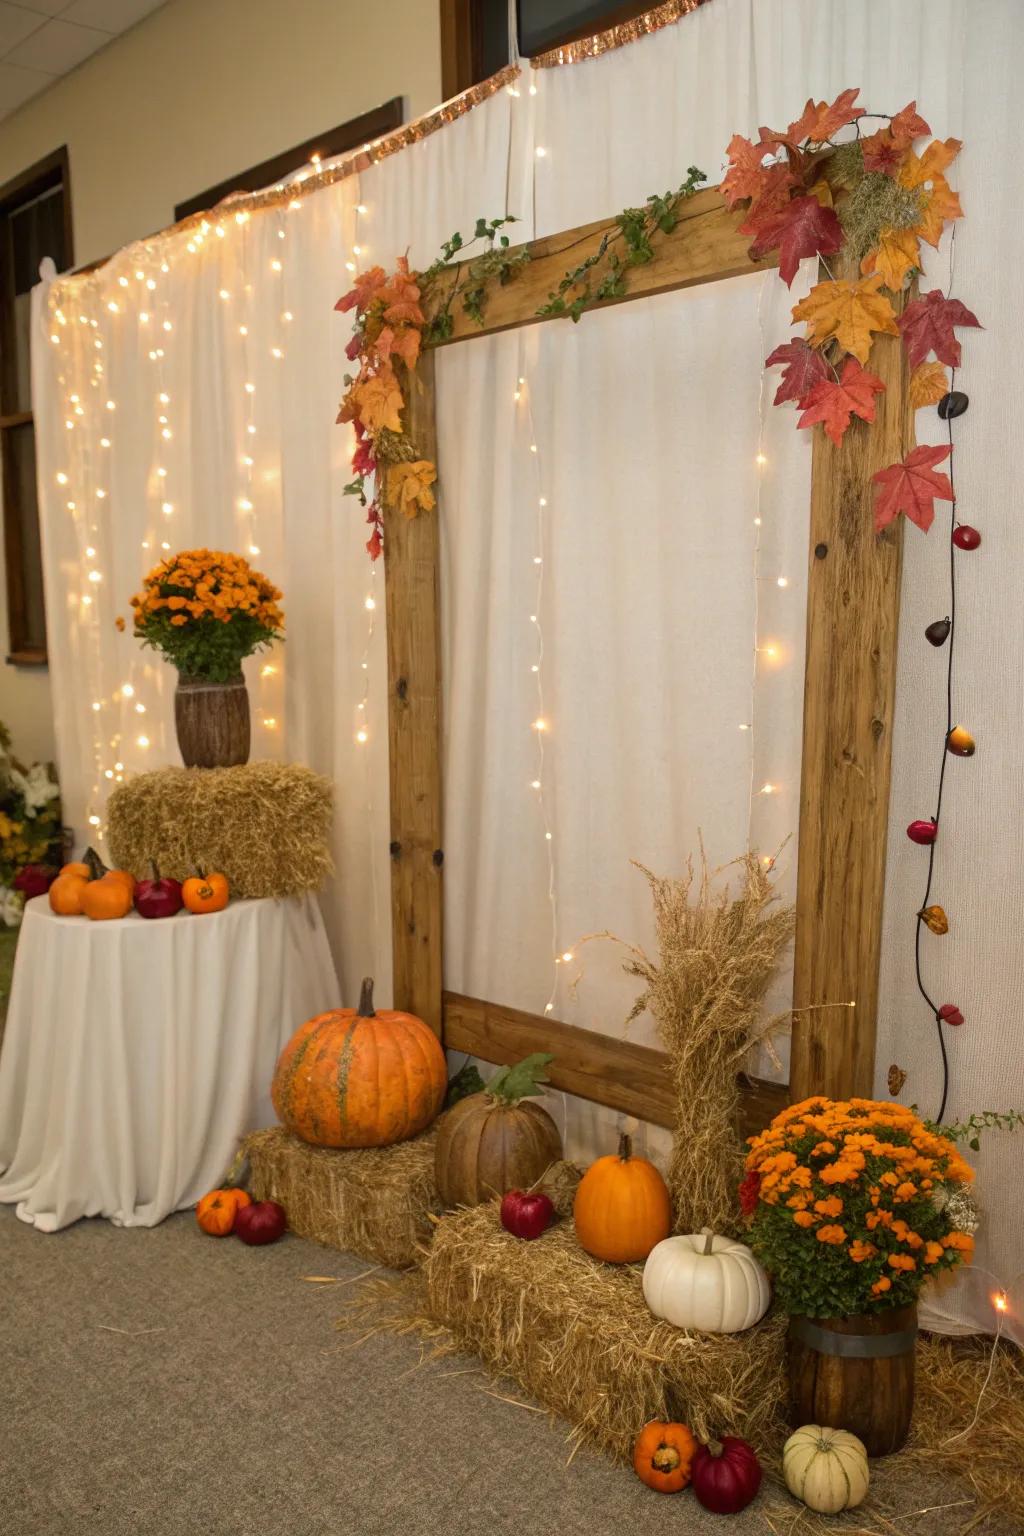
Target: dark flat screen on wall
x=546, y=23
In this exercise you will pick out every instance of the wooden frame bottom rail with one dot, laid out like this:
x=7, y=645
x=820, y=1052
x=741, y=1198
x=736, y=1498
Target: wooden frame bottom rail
x=634, y=1079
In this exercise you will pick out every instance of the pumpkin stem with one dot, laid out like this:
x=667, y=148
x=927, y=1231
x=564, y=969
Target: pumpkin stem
x=96, y=865
x=156, y=872
x=709, y=1240
x=625, y=1147
x=714, y=1447
x=366, y=1009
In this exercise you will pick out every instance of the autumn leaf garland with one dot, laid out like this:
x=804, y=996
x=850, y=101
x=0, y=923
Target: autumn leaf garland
x=871, y=201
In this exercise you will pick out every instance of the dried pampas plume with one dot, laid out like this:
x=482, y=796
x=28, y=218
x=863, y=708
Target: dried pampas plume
x=716, y=954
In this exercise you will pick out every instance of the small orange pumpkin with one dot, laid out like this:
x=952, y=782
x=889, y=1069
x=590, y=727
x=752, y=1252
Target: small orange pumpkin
x=662, y=1456
x=125, y=878
x=622, y=1207
x=79, y=868
x=357, y=1078
x=216, y=1211
x=106, y=898
x=66, y=894
x=206, y=893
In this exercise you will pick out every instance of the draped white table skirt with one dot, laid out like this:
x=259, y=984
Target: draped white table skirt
x=137, y=1052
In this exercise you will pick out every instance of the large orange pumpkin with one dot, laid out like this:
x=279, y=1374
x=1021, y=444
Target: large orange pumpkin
x=622, y=1207
x=356, y=1078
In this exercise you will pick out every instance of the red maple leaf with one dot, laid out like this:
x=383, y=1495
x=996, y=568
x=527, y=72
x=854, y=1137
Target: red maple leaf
x=927, y=326
x=908, y=125
x=803, y=367
x=804, y=228
x=745, y=176
x=835, y=402
x=911, y=488
x=818, y=122
x=769, y=207
x=882, y=153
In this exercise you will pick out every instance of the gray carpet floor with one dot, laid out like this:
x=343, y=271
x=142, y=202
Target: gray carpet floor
x=159, y=1382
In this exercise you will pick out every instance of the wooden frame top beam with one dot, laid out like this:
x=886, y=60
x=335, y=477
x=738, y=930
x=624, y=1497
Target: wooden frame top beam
x=704, y=247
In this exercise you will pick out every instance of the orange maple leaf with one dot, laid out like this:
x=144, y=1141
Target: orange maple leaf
x=917, y=169
x=912, y=487
x=834, y=401
x=409, y=487
x=819, y=121
x=378, y=401
x=363, y=290
x=896, y=254
x=940, y=203
x=928, y=384
x=849, y=310
x=403, y=342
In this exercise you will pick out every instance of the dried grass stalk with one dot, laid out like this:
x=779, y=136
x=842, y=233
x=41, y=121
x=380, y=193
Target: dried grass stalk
x=716, y=955
x=578, y=1336
x=264, y=825
x=375, y=1202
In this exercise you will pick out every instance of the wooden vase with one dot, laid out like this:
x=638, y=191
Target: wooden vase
x=212, y=721
x=855, y=1373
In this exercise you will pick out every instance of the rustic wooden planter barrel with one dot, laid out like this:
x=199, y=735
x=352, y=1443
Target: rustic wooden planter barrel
x=212, y=721
x=855, y=1373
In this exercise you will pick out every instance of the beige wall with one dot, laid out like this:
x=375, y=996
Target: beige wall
x=199, y=90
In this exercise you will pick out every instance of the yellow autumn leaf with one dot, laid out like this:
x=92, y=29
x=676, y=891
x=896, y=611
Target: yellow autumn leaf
x=917, y=169
x=409, y=487
x=379, y=402
x=896, y=254
x=940, y=203
x=849, y=310
x=821, y=190
x=928, y=384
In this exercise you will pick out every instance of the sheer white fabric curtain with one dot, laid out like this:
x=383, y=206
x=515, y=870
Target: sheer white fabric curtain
x=648, y=460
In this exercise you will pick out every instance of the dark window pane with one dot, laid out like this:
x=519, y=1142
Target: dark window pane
x=37, y=230
x=23, y=538
x=545, y=24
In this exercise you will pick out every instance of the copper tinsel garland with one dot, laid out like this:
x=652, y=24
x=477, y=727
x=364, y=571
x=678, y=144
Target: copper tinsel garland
x=617, y=37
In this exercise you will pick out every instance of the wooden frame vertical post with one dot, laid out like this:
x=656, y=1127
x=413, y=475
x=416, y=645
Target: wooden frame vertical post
x=412, y=549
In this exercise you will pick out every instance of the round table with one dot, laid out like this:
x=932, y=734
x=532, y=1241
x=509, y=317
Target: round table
x=137, y=1052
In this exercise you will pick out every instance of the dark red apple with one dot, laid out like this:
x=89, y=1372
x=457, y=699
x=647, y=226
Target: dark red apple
x=262, y=1222
x=158, y=897
x=923, y=832
x=949, y=1013
x=966, y=537
x=526, y=1213
x=34, y=880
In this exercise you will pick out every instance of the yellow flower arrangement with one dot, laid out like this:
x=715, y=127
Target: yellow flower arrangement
x=206, y=610
x=845, y=1205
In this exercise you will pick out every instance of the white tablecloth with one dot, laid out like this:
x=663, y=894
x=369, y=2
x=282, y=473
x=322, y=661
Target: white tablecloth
x=137, y=1052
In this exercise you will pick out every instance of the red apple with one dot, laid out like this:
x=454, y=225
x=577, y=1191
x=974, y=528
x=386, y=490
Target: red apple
x=966, y=537
x=262, y=1222
x=923, y=832
x=949, y=1013
x=526, y=1214
x=157, y=897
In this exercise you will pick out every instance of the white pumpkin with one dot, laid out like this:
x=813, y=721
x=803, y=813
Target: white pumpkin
x=825, y=1468
x=705, y=1282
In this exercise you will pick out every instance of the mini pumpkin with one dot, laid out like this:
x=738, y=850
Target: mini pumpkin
x=66, y=894
x=726, y=1474
x=205, y=893
x=663, y=1454
x=622, y=1207
x=357, y=1078
x=76, y=867
x=708, y=1283
x=216, y=1211
x=827, y=1469
x=493, y=1141
x=106, y=898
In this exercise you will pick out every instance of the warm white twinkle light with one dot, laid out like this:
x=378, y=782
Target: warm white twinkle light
x=783, y=581
x=370, y=604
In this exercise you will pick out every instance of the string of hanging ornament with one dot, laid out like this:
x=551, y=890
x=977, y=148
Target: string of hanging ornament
x=957, y=741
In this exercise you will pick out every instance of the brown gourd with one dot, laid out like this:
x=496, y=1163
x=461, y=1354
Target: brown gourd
x=494, y=1141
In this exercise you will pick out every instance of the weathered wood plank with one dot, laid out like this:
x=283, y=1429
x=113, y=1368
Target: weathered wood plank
x=853, y=598
x=412, y=576
x=617, y=1073
x=704, y=247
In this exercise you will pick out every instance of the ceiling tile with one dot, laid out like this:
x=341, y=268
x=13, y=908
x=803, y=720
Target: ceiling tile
x=111, y=16
x=17, y=85
x=16, y=24
x=57, y=47
x=44, y=7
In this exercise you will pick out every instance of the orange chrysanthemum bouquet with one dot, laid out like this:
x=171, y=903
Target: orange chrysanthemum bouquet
x=206, y=611
x=855, y=1205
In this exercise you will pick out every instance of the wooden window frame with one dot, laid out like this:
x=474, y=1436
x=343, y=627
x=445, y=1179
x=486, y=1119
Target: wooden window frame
x=336, y=141
x=461, y=58
x=51, y=171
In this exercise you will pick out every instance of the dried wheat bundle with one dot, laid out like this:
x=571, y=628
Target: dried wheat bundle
x=716, y=954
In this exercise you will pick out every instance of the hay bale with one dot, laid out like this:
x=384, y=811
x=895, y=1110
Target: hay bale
x=578, y=1336
x=264, y=825
x=375, y=1202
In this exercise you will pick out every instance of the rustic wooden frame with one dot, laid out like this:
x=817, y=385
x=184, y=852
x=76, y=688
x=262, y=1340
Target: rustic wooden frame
x=852, y=617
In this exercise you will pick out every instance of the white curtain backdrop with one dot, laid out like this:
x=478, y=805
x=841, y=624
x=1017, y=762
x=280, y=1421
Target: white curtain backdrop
x=655, y=579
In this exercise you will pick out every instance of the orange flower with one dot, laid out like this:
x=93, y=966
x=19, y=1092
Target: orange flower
x=901, y=1261
x=833, y=1206
x=906, y=1191
x=859, y=1251
x=834, y=1235
x=180, y=618
x=933, y=1253
x=960, y=1241
x=881, y=1285
x=804, y=1219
